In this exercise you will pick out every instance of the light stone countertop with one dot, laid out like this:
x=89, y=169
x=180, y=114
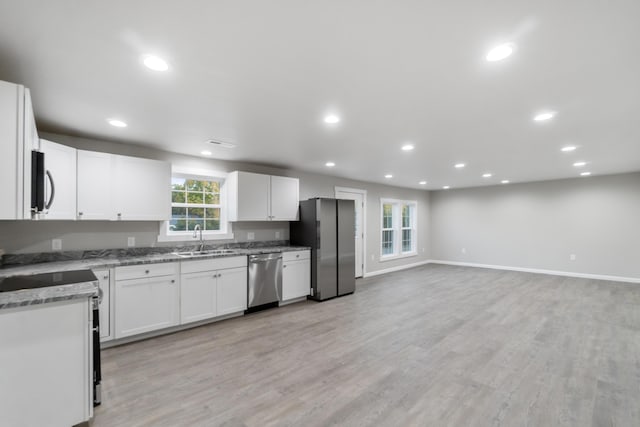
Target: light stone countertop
x=27, y=297
x=109, y=262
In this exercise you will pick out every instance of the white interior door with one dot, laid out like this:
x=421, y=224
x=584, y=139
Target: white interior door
x=359, y=197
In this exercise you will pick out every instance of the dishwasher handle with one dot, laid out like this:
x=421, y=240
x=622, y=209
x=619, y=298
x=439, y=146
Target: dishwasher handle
x=264, y=257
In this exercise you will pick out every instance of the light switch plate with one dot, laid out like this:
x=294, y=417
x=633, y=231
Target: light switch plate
x=251, y=235
x=277, y=235
x=131, y=241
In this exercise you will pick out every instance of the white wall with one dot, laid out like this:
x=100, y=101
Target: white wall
x=34, y=236
x=538, y=225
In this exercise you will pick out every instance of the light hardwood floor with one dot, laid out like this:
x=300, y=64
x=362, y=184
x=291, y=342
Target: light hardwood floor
x=430, y=346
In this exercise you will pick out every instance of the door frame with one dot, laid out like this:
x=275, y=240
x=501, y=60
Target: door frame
x=364, y=220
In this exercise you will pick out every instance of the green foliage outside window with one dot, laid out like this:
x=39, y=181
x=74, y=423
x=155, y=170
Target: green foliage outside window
x=194, y=202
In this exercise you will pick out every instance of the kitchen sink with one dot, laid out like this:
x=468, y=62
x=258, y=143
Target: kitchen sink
x=190, y=254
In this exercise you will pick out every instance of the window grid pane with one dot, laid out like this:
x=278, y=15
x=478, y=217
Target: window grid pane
x=387, y=242
x=194, y=202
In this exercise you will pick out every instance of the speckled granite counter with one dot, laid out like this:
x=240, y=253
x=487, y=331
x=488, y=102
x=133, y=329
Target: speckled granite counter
x=120, y=259
x=26, y=297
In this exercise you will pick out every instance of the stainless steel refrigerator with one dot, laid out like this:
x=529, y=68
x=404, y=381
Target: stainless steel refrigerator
x=328, y=227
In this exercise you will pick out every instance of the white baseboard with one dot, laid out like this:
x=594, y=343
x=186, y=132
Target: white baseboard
x=392, y=269
x=540, y=271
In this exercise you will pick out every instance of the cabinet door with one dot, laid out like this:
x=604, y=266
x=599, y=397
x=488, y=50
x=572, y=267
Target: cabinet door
x=144, y=305
x=94, y=186
x=252, y=197
x=296, y=279
x=284, y=198
x=198, y=296
x=105, y=304
x=142, y=189
x=60, y=163
x=232, y=290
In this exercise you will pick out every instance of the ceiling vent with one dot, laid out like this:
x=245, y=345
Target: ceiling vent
x=221, y=144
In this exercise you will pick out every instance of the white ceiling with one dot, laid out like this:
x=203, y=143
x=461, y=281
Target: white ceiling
x=264, y=73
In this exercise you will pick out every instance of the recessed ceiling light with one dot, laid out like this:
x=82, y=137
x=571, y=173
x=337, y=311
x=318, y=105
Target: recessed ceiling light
x=585, y=173
x=407, y=147
x=541, y=117
x=459, y=165
x=423, y=183
x=329, y=164
x=117, y=123
x=446, y=187
x=487, y=175
x=504, y=181
x=388, y=176
x=206, y=153
x=568, y=148
x=155, y=63
x=579, y=164
x=501, y=52
x=332, y=119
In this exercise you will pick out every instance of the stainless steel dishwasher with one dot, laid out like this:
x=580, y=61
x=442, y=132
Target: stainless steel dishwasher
x=265, y=280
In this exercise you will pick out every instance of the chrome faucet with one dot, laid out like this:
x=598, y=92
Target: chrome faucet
x=195, y=235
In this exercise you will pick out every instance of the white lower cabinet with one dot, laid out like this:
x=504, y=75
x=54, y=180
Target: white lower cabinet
x=198, y=296
x=296, y=275
x=210, y=288
x=232, y=290
x=145, y=304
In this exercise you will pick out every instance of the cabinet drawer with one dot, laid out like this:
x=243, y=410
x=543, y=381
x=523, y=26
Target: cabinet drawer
x=196, y=266
x=296, y=255
x=146, y=270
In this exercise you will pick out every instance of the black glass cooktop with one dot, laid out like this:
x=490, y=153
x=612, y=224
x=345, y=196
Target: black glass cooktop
x=46, y=279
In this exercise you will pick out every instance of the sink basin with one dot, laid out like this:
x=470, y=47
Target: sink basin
x=210, y=252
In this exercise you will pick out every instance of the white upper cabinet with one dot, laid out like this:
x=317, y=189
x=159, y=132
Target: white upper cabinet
x=60, y=186
x=141, y=189
x=284, y=198
x=18, y=136
x=94, y=186
x=257, y=197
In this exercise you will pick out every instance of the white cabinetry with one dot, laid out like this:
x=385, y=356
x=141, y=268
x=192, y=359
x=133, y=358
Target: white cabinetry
x=94, y=186
x=141, y=190
x=211, y=288
x=18, y=136
x=103, y=277
x=146, y=298
x=296, y=274
x=232, y=290
x=257, y=197
x=60, y=188
x=46, y=375
x=198, y=296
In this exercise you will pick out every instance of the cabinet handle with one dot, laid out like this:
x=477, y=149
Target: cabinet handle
x=297, y=256
x=80, y=213
x=105, y=277
x=173, y=281
x=284, y=266
x=119, y=214
x=146, y=271
x=219, y=275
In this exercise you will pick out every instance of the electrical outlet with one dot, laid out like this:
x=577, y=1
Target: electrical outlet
x=131, y=241
x=277, y=235
x=251, y=235
x=464, y=250
x=572, y=257
x=56, y=244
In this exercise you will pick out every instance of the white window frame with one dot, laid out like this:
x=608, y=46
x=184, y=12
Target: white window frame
x=397, y=228
x=225, y=231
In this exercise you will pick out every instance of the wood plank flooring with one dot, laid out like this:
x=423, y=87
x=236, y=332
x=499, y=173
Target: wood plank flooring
x=431, y=346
